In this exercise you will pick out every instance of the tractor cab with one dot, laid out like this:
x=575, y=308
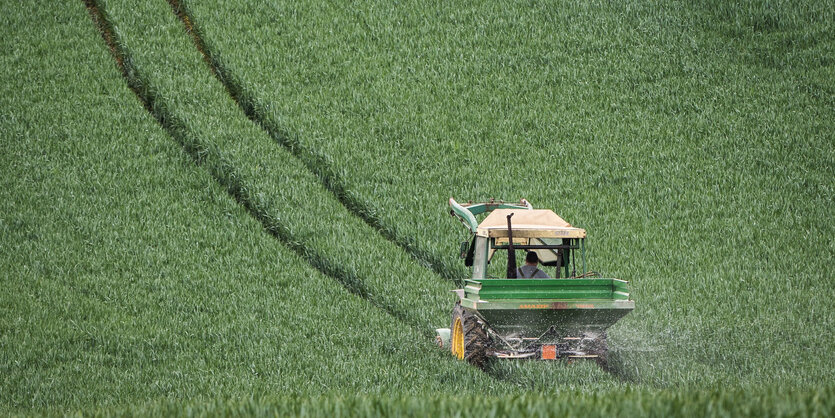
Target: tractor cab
x=511, y=227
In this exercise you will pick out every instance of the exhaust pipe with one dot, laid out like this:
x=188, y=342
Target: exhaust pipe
x=511, y=251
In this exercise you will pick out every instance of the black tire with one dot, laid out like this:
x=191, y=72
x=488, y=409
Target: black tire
x=476, y=341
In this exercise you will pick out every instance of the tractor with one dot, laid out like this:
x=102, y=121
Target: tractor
x=498, y=315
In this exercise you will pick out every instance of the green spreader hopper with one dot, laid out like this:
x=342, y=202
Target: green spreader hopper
x=542, y=310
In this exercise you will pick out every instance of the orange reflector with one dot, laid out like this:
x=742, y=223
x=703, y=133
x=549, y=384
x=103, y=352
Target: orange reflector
x=549, y=352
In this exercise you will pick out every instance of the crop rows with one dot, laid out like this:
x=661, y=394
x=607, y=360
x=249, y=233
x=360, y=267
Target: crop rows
x=694, y=142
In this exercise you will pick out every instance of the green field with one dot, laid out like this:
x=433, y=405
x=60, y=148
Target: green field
x=240, y=207
x=694, y=142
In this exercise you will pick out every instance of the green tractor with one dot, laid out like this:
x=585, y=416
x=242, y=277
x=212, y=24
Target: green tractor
x=498, y=315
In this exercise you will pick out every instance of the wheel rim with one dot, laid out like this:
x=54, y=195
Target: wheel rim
x=458, y=339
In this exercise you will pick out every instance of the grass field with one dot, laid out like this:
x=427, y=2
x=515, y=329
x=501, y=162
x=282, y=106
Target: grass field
x=130, y=275
x=300, y=211
x=268, y=235
x=694, y=142
x=734, y=402
x=273, y=185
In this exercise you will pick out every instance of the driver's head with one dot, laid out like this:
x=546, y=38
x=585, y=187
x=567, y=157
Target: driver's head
x=531, y=258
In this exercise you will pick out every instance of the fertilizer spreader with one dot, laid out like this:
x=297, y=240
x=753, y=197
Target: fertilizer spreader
x=505, y=317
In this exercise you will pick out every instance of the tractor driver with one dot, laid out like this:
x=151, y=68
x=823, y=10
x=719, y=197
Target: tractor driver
x=530, y=269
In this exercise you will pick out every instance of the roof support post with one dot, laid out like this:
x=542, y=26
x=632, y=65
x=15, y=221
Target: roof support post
x=480, y=258
x=583, y=253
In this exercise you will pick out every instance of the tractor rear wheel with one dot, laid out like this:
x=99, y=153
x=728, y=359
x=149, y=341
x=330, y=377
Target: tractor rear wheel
x=468, y=339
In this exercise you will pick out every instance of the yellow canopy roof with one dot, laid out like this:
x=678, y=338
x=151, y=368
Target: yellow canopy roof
x=538, y=223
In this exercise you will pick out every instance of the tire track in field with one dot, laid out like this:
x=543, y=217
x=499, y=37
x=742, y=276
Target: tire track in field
x=322, y=170
x=223, y=171
x=228, y=176
x=314, y=162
